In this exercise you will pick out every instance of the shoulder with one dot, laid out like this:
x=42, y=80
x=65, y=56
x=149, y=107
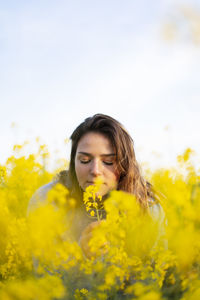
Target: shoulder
x=155, y=199
x=156, y=210
x=40, y=196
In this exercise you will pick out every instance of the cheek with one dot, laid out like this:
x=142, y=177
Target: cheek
x=116, y=174
x=81, y=172
x=113, y=176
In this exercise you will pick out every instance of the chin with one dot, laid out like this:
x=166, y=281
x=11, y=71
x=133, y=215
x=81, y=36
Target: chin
x=103, y=193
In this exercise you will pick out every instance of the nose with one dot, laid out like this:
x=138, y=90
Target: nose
x=96, y=168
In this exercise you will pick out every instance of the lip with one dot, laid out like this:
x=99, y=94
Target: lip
x=93, y=182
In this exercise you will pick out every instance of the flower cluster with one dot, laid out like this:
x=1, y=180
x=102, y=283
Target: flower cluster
x=93, y=201
x=153, y=255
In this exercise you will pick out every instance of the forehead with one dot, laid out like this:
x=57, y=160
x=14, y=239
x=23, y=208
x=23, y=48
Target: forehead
x=95, y=142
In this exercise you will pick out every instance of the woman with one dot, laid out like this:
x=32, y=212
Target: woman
x=103, y=149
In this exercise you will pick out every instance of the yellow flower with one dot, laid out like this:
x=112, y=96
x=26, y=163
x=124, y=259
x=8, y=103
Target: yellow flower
x=84, y=291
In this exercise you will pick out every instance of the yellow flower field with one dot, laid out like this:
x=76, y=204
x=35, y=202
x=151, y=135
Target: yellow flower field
x=148, y=256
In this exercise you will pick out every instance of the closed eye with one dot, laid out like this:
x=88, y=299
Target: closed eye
x=108, y=163
x=105, y=162
x=84, y=161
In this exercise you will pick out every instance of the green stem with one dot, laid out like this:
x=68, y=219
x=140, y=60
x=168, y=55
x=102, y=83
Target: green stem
x=98, y=217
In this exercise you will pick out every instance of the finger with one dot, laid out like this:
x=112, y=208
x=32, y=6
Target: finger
x=94, y=224
x=91, y=226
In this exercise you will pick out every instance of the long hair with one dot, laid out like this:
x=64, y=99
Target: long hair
x=130, y=179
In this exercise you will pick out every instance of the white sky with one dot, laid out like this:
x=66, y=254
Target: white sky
x=62, y=61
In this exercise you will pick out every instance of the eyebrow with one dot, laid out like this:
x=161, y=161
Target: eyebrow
x=88, y=154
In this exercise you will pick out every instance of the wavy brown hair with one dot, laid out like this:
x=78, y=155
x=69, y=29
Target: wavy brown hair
x=130, y=180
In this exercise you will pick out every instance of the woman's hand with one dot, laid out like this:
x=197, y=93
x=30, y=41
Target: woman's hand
x=85, y=238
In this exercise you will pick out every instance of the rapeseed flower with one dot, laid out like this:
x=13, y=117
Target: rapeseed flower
x=137, y=255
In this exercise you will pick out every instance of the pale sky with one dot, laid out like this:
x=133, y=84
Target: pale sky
x=62, y=61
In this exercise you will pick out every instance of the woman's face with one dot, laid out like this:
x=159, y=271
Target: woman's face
x=96, y=158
